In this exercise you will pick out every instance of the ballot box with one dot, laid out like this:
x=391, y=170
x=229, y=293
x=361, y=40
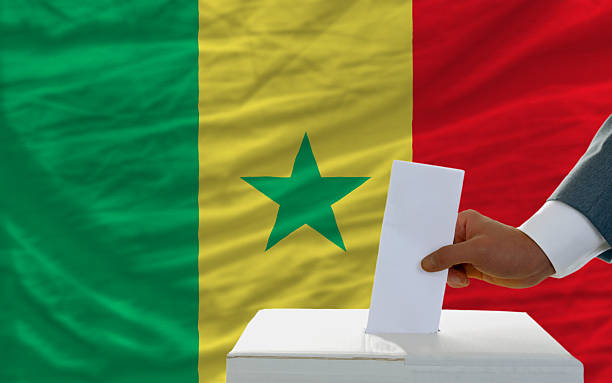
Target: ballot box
x=304, y=345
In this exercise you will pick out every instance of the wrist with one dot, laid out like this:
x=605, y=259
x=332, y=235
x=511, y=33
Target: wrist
x=543, y=265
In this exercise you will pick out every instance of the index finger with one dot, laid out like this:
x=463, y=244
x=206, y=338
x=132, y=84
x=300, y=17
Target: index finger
x=450, y=255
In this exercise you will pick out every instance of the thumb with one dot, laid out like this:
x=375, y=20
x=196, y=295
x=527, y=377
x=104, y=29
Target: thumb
x=463, y=252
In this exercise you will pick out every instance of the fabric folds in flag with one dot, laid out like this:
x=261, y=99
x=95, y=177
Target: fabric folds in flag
x=513, y=92
x=303, y=107
x=98, y=191
x=170, y=167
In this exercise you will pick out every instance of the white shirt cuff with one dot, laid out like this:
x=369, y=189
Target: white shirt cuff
x=567, y=237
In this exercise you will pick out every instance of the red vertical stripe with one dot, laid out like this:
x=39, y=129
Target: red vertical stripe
x=512, y=92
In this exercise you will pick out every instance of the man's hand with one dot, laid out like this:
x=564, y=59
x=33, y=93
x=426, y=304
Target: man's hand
x=491, y=251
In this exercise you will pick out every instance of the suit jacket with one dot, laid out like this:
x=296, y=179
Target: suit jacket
x=588, y=187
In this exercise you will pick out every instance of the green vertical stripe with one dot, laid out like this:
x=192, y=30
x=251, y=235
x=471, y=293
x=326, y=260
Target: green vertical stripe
x=98, y=191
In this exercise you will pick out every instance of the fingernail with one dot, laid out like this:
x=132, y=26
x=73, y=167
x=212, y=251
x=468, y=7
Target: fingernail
x=454, y=279
x=428, y=263
x=458, y=280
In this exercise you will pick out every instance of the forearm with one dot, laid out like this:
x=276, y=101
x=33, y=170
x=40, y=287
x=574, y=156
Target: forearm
x=588, y=187
x=575, y=224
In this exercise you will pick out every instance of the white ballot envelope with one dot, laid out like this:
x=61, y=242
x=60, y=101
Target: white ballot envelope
x=420, y=216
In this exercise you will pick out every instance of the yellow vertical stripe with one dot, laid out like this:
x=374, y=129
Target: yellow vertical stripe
x=269, y=72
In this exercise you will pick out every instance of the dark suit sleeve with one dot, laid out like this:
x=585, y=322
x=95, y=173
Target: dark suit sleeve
x=588, y=187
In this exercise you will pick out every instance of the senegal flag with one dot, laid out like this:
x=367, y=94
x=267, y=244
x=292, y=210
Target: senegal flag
x=168, y=168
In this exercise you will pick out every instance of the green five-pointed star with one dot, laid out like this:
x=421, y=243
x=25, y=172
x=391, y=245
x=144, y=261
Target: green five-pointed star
x=305, y=198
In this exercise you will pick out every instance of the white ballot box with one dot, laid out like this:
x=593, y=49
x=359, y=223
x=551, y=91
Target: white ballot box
x=303, y=345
